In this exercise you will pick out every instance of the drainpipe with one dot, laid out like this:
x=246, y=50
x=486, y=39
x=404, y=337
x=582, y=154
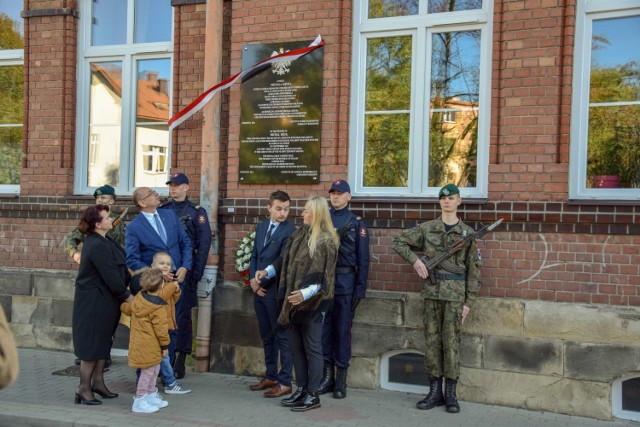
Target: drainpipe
x=210, y=178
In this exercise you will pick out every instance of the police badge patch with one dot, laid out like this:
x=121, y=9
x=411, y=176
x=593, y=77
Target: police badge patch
x=202, y=219
x=363, y=232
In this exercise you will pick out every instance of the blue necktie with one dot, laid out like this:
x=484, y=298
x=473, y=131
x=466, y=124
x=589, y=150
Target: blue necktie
x=160, y=227
x=269, y=232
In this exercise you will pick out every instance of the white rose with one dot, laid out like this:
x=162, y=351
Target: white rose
x=245, y=240
x=240, y=252
x=246, y=266
x=239, y=261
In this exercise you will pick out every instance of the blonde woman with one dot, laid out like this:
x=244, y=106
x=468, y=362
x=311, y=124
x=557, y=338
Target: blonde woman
x=306, y=282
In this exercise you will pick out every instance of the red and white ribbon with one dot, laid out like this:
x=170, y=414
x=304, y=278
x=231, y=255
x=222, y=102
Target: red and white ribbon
x=206, y=96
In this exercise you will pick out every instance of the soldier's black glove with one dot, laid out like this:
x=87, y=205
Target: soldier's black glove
x=355, y=301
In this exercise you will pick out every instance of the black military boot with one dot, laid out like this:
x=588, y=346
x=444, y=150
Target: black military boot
x=450, y=398
x=434, y=398
x=327, y=382
x=178, y=365
x=340, y=389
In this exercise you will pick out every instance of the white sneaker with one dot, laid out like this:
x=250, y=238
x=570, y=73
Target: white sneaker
x=141, y=405
x=177, y=388
x=156, y=400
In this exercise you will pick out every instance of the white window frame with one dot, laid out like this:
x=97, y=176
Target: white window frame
x=420, y=27
x=588, y=11
x=394, y=386
x=8, y=58
x=128, y=54
x=616, y=399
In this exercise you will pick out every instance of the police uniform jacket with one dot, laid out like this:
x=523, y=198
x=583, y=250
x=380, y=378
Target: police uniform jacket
x=352, y=269
x=195, y=222
x=431, y=237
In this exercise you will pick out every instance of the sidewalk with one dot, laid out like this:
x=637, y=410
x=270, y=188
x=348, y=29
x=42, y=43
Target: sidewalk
x=39, y=398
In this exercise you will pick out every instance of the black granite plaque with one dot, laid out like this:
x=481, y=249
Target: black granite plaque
x=280, y=116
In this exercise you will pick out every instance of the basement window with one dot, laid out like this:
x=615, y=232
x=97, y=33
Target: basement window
x=403, y=370
x=625, y=396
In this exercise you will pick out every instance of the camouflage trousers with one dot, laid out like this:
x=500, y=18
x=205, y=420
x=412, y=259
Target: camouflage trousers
x=442, y=325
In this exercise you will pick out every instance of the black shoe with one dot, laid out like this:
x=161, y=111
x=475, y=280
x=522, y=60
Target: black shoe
x=104, y=394
x=327, y=382
x=80, y=399
x=435, y=397
x=450, y=398
x=297, y=397
x=178, y=365
x=340, y=389
x=311, y=401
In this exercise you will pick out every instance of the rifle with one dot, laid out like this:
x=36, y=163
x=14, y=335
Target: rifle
x=120, y=217
x=440, y=257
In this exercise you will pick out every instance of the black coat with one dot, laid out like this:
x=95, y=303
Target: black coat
x=100, y=287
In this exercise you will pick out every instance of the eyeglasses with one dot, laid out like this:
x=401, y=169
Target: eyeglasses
x=151, y=193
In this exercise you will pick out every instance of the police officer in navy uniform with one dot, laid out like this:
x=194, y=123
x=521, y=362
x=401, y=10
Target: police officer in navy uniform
x=196, y=223
x=351, y=284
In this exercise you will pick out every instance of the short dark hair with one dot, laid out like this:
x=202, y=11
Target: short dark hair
x=151, y=280
x=280, y=196
x=91, y=217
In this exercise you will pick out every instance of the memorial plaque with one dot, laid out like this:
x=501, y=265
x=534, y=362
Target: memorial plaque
x=280, y=116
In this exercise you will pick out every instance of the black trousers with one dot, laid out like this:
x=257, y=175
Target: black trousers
x=305, y=342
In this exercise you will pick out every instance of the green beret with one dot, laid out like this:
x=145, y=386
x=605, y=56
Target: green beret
x=105, y=190
x=448, y=190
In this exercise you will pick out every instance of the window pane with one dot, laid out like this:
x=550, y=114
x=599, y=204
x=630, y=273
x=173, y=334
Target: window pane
x=105, y=123
x=386, y=150
x=455, y=92
x=11, y=94
x=438, y=6
x=631, y=395
x=388, y=74
x=615, y=63
x=153, y=21
x=10, y=154
x=387, y=8
x=153, y=90
x=109, y=22
x=11, y=25
x=614, y=147
x=152, y=142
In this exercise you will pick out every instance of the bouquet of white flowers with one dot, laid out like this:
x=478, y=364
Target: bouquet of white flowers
x=243, y=255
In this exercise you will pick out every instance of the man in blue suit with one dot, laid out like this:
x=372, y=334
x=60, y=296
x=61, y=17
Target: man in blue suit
x=271, y=238
x=154, y=231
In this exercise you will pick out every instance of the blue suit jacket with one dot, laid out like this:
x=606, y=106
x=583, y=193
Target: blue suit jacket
x=142, y=242
x=265, y=253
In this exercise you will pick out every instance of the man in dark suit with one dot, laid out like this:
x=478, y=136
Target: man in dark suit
x=271, y=238
x=154, y=231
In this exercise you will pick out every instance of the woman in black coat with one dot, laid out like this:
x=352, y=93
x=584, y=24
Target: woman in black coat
x=100, y=288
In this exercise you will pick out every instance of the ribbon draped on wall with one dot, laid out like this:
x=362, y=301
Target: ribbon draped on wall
x=256, y=68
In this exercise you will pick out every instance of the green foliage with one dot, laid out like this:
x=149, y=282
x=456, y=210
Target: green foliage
x=614, y=130
x=9, y=37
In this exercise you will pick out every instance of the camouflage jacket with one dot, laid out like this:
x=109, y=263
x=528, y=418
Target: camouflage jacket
x=431, y=238
x=75, y=237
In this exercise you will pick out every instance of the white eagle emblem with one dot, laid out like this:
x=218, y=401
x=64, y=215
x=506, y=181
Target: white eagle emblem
x=281, y=67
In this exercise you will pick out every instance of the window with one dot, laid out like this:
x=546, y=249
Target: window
x=124, y=94
x=403, y=370
x=605, y=132
x=420, y=97
x=11, y=96
x=625, y=397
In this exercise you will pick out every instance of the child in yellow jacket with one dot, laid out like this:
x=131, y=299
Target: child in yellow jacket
x=149, y=340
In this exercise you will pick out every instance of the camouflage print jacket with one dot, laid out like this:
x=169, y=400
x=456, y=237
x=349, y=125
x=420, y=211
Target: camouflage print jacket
x=75, y=237
x=431, y=238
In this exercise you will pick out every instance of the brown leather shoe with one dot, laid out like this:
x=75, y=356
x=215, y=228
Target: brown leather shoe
x=263, y=385
x=278, y=390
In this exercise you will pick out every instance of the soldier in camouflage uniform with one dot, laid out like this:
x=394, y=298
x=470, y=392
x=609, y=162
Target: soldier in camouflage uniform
x=448, y=301
x=104, y=195
x=195, y=221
